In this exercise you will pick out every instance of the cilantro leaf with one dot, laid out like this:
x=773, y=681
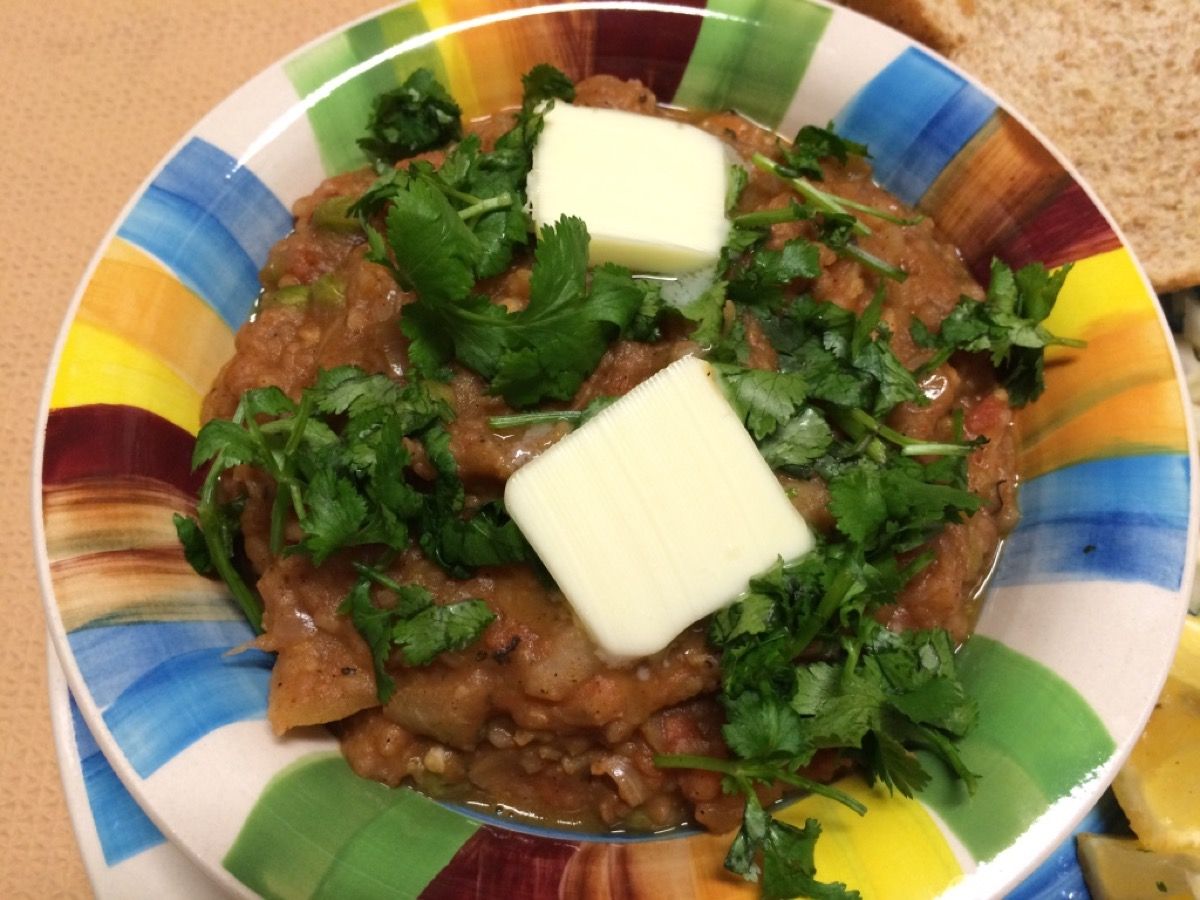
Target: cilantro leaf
x=761, y=398
x=436, y=253
x=461, y=544
x=374, y=624
x=789, y=869
x=857, y=502
x=195, y=548
x=798, y=442
x=889, y=761
x=558, y=339
x=543, y=351
x=762, y=280
x=840, y=708
x=234, y=443
x=416, y=626
x=759, y=727
x=334, y=516
x=488, y=537
x=707, y=312
x=752, y=614
x=417, y=116
x=894, y=507
x=437, y=629
x=813, y=144
x=545, y=82
x=1007, y=325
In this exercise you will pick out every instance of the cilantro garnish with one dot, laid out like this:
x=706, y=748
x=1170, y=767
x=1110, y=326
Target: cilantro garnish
x=342, y=473
x=543, y=351
x=417, y=116
x=414, y=625
x=837, y=226
x=882, y=696
x=573, y=417
x=1007, y=324
x=870, y=695
x=813, y=144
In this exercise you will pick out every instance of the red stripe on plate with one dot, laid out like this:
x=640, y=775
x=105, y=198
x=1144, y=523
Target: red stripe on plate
x=1068, y=227
x=498, y=863
x=107, y=441
x=651, y=46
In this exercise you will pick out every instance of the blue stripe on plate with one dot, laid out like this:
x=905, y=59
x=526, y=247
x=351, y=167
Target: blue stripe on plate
x=1059, y=877
x=184, y=698
x=123, y=829
x=914, y=116
x=112, y=657
x=212, y=224
x=1122, y=519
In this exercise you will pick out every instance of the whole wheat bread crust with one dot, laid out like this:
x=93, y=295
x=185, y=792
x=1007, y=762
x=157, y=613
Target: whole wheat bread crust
x=1114, y=84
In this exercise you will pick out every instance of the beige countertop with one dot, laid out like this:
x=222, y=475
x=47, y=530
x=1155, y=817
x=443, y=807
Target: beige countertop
x=95, y=92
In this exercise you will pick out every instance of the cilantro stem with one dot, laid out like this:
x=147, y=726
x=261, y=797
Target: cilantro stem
x=744, y=772
x=831, y=203
x=794, y=212
x=500, y=201
x=287, y=492
x=764, y=218
x=935, y=361
x=945, y=750
x=842, y=584
x=476, y=206
x=873, y=262
x=882, y=214
x=453, y=193
x=216, y=535
x=814, y=196
x=373, y=574
x=522, y=420
x=857, y=422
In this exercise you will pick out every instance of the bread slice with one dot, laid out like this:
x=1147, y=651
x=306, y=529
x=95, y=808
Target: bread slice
x=1114, y=85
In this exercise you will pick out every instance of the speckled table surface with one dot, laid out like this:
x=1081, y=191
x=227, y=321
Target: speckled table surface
x=95, y=92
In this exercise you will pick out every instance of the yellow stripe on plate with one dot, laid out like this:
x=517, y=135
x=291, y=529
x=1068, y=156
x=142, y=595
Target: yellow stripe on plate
x=136, y=298
x=97, y=366
x=485, y=65
x=462, y=86
x=1101, y=286
x=896, y=851
x=1116, y=396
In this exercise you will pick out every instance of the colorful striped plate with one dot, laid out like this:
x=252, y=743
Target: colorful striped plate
x=1075, y=637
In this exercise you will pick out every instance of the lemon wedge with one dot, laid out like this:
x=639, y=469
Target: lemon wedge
x=1117, y=868
x=1159, y=786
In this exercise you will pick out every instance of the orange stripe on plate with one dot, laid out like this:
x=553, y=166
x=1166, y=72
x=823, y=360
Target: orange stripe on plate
x=1118, y=395
x=997, y=181
x=485, y=65
x=134, y=297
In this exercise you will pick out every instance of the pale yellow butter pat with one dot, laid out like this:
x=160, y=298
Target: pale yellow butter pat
x=651, y=191
x=655, y=513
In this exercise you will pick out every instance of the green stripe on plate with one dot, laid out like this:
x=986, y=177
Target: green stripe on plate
x=1037, y=741
x=339, y=119
x=751, y=55
x=318, y=830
